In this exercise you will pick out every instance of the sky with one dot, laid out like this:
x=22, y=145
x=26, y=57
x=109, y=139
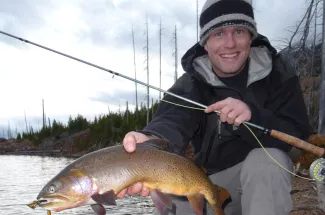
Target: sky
x=100, y=32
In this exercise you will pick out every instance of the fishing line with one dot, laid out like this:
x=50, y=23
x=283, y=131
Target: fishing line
x=319, y=166
x=250, y=130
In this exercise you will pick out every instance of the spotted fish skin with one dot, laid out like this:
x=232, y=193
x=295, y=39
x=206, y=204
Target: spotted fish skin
x=113, y=169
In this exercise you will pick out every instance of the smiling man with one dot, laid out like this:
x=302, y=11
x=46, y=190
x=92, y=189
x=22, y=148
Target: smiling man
x=236, y=71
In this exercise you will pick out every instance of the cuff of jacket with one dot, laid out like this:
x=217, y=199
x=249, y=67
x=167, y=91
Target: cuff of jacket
x=171, y=147
x=256, y=118
x=245, y=133
x=150, y=133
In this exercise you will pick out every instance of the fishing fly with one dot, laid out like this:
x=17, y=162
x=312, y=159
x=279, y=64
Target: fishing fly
x=317, y=169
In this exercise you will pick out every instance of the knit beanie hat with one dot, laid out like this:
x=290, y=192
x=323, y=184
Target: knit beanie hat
x=220, y=13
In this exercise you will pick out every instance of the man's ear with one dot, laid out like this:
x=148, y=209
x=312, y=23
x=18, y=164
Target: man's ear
x=205, y=46
x=252, y=36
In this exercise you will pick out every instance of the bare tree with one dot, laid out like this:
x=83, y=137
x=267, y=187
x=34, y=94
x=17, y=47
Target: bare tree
x=127, y=112
x=44, y=120
x=26, y=122
x=160, y=34
x=152, y=108
x=321, y=123
x=49, y=121
x=147, y=60
x=197, y=20
x=175, y=52
x=303, y=53
x=310, y=101
x=9, y=131
x=136, y=85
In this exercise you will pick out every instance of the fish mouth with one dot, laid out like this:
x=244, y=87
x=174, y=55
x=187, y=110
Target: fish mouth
x=49, y=201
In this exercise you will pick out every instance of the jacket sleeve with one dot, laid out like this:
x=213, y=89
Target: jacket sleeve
x=285, y=111
x=175, y=123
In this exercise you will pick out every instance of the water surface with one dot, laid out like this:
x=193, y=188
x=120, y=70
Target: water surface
x=22, y=178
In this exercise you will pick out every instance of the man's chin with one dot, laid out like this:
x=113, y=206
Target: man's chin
x=228, y=72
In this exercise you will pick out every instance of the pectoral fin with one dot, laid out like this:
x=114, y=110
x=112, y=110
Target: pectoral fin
x=107, y=198
x=162, y=201
x=197, y=203
x=99, y=209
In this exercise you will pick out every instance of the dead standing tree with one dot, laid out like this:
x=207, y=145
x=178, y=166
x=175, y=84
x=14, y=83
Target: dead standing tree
x=302, y=52
x=26, y=122
x=136, y=85
x=175, y=52
x=146, y=48
x=197, y=20
x=160, y=35
x=321, y=123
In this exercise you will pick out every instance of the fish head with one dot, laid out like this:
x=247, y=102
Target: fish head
x=69, y=189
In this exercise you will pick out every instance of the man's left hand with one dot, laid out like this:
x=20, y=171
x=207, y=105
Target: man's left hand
x=232, y=111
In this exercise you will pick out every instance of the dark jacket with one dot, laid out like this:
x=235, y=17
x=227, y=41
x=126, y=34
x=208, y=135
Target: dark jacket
x=273, y=93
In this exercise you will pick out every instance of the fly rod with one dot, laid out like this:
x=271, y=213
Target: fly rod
x=273, y=133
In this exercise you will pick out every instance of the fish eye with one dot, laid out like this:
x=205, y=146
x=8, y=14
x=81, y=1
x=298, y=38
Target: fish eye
x=52, y=189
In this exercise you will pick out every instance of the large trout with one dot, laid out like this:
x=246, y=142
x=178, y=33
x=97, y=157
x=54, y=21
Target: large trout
x=98, y=176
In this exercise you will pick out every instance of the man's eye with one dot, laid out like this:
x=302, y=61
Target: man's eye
x=239, y=31
x=218, y=34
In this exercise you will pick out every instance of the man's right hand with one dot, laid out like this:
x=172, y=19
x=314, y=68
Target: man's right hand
x=129, y=142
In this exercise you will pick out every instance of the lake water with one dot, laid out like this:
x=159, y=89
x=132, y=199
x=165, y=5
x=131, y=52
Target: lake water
x=22, y=178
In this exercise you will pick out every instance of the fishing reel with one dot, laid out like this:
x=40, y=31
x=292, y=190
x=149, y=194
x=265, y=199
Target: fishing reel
x=317, y=170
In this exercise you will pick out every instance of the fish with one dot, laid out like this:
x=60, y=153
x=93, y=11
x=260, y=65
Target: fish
x=97, y=177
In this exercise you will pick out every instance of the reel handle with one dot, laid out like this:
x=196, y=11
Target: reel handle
x=320, y=152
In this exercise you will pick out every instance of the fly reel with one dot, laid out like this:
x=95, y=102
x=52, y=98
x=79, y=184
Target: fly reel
x=317, y=170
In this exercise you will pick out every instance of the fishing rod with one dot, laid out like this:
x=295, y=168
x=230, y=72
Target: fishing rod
x=318, y=151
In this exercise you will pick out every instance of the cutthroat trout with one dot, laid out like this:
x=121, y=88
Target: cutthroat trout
x=98, y=176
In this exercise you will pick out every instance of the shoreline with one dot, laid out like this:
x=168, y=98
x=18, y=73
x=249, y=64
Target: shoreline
x=45, y=153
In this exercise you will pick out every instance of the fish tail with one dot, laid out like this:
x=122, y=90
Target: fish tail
x=217, y=210
x=215, y=205
x=223, y=195
x=215, y=197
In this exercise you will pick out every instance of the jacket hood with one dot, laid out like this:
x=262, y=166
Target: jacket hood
x=197, y=63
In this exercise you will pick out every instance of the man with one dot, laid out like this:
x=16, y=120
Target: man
x=236, y=71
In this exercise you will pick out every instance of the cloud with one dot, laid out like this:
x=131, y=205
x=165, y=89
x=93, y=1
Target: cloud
x=19, y=15
x=100, y=32
x=112, y=26
x=121, y=98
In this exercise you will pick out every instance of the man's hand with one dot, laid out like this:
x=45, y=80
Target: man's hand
x=232, y=111
x=129, y=142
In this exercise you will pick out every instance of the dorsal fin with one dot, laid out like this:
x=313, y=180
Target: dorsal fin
x=161, y=144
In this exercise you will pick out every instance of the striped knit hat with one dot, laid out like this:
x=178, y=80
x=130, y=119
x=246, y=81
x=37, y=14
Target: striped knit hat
x=218, y=13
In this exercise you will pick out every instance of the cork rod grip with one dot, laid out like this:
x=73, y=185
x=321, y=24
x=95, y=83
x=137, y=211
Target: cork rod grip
x=298, y=143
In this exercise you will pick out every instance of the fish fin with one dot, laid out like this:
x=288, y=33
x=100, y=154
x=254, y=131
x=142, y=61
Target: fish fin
x=162, y=201
x=197, y=203
x=161, y=144
x=99, y=209
x=107, y=198
x=223, y=196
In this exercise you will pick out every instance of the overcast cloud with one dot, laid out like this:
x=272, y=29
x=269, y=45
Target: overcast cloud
x=99, y=31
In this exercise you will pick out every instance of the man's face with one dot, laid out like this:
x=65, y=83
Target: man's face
x=228, y=49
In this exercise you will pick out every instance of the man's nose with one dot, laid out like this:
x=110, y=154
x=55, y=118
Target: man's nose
x=230, y=42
